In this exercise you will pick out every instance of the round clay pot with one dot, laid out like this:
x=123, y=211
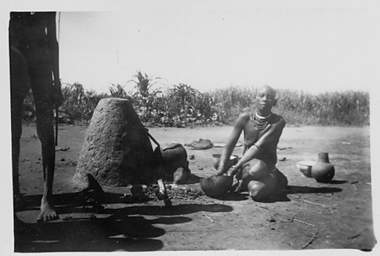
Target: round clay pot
x=322, y=170
x=216, y=185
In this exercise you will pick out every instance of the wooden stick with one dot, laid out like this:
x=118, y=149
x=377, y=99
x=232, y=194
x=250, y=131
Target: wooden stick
x=314, y=203
x=208, y=217
x=311, y=240
x=303, y=222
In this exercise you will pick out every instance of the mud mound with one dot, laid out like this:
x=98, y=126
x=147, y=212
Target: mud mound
x=116, y=148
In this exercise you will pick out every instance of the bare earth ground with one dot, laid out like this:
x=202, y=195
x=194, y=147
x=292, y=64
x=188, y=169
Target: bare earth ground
x=311, y=215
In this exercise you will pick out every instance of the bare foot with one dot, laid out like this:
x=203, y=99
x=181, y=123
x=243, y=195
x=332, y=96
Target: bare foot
x=47, y=212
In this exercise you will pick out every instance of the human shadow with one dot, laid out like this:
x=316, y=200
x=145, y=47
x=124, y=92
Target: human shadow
x=122, y=230
x=75, y=203
x=128, y=233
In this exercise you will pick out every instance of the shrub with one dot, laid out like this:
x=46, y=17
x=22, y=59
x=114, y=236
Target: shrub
x=181, y=105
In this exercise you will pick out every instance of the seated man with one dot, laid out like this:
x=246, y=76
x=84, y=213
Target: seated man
x=257, y=166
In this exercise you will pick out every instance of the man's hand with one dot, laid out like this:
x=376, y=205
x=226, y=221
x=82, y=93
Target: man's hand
x=233, y=170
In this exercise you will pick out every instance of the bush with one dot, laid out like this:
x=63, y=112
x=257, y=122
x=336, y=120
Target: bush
x=181, y=105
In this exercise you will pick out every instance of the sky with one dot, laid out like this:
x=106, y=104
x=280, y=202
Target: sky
x=212, y=46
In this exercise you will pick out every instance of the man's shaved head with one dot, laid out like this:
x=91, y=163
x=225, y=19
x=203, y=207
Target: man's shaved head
x=266, y=99
x=266, y=89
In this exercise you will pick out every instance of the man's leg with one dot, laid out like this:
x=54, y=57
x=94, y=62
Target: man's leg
x=255, y=169
x=262, y=181
x=41, y=84
x=16, y=112
x=19, y=87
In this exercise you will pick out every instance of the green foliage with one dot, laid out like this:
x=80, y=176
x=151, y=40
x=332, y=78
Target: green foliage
x=181, y=105
x=230, y=102
x=333, y=108
x=185, y=106
x=116, y=90
x=145, y=97
x=78, y=104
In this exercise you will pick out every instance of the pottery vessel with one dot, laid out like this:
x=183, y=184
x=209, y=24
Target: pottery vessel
x=323, y=170
x=216, y=186
x=305, y=167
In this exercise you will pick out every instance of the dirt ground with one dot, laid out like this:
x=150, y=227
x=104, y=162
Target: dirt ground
x=311, y=215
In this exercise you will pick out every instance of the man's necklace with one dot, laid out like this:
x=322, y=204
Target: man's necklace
x=261, y=121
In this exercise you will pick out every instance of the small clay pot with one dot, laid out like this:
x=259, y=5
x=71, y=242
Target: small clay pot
x=305, y=167
x=216, y=185
x=322, y=170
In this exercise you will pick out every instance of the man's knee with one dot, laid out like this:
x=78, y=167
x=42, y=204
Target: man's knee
x=261, y=190
x=44, y=114
x=257, y=169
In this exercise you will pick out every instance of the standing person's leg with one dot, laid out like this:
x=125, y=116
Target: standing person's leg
x=19, y=87
x=41, y=86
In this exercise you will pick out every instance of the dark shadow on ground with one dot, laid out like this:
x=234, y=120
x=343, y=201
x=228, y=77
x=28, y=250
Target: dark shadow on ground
x=109, y=234
x=74, y=203
x=122, y=230
x=32, y=202
x=335, y=182
x=179, y=209
x=311, y=190
x=282, y=196
x=233, y=197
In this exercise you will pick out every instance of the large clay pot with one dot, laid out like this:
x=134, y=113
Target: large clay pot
x=216, y=185
x=322, y=170
x=175, y=162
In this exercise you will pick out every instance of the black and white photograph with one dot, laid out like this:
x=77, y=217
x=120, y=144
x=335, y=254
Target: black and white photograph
x=160, y=126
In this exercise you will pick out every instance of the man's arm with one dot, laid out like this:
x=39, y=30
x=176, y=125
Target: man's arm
x=236, y=132
x=271, y=134
x=54, y=49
